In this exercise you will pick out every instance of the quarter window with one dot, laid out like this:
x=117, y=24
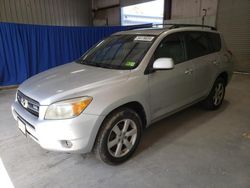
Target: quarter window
x=215, y=41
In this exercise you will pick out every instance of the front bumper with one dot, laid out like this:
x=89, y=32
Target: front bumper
x=80, y=131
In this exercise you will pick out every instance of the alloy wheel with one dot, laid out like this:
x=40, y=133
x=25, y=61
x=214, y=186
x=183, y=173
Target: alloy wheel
x=122, y=138
x=219, y=93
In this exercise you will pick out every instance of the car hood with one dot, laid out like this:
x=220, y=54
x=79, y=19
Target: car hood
x=69, y=80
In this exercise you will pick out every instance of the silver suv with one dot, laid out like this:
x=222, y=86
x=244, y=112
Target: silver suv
x=104, y=100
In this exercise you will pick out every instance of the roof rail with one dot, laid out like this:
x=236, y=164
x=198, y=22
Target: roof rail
x=175, y=25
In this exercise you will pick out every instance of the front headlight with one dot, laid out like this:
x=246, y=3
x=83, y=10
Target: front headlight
x=67, y=108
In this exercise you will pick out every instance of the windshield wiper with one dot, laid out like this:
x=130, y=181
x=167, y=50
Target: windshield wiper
x=92, y=63
x=104, y=65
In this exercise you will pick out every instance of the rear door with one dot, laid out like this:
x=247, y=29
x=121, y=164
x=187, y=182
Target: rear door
x=201, y=51
x=171, y=89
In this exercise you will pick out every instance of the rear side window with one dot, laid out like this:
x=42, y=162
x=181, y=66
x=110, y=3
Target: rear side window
x=215, y=41
x=197, y=44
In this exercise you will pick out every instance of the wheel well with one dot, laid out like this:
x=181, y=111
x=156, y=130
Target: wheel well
x=224, y=75
x=138, y=108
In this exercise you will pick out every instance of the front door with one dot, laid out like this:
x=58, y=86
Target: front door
x=171, y=89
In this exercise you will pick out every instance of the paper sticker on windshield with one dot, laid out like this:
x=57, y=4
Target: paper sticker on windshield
x=144, y=38
x=130, y=64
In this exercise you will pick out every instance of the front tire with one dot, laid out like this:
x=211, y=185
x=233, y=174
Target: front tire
x=216, y=96
x=118, y=137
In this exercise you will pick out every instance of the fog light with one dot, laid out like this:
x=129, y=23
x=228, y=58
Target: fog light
x=67, y=143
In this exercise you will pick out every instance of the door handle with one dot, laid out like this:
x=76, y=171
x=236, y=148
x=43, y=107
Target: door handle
x=188, y=71
x=216, y=62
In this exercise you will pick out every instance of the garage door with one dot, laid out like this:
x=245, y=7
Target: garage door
x=234, y=22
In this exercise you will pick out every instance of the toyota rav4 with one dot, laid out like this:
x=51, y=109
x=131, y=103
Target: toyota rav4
x=104, y=100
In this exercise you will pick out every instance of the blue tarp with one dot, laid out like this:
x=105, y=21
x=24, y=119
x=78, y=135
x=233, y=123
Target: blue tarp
x=26, y=50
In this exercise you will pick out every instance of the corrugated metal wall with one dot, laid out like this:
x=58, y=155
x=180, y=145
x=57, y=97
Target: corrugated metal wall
x=191, y=12
x=234, y=22
x=46, y=12
x=106, y=12
x=104, y=3
x=182, y=9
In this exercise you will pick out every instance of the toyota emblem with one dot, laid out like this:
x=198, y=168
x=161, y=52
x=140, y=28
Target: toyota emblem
x=24, y=103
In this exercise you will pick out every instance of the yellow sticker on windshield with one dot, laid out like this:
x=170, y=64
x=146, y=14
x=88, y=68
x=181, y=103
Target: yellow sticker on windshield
x=130, y=64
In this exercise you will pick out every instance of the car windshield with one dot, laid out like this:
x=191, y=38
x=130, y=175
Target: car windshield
x=118, y=52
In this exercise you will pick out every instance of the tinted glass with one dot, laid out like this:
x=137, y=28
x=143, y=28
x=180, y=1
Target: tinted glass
x=197, y=44
x=171, y=47
x=118, y=52
x=215, y=41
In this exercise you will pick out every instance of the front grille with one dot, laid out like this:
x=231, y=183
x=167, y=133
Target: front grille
x=28, y=104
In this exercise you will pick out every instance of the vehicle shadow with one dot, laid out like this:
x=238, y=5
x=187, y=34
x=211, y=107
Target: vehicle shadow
x=177, y=125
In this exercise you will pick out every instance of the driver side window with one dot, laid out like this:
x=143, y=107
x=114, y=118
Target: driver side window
x=172, y=47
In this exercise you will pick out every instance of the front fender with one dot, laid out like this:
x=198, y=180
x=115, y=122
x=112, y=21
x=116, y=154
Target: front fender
x=124, y=101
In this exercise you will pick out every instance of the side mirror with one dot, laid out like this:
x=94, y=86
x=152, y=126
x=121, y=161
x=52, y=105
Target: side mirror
x=163, y=64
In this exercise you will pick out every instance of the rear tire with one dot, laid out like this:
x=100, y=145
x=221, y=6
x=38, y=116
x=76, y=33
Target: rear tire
x=118, y=137
x=216, y=95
